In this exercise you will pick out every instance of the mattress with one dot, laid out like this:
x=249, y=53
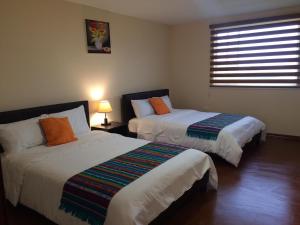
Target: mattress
x=172, y=127
x=35, y=178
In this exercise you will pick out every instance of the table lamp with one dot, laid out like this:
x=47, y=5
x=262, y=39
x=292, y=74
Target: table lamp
x=104, y=107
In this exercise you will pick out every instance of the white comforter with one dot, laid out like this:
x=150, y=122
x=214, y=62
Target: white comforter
x=172, y=127
x=36, y=178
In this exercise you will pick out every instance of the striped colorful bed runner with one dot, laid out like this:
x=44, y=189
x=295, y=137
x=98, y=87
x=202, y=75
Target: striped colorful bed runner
x=210, y=128
x=87, y=195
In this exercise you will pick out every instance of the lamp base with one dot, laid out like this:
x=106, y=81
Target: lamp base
x=106, y=123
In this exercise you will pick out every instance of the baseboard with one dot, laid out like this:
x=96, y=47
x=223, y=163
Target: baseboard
x=284, y=136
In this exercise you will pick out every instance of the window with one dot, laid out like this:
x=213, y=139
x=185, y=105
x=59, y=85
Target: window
x=256, y=53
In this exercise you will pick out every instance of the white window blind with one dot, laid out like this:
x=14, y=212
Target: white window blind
x=256, y=53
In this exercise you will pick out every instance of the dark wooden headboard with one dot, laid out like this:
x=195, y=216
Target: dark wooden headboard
x=126, y=107
x=23, y=114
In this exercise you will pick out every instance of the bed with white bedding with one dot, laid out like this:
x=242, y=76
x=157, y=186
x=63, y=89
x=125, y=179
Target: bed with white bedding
x=172, y=128
x=35, y=177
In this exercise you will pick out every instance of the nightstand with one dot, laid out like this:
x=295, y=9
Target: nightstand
x=114, y=127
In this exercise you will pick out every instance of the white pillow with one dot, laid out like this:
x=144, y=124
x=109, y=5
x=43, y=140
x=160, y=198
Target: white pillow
x=17, y=136
x=167, y=100
x=142, y=108
x=77, y=119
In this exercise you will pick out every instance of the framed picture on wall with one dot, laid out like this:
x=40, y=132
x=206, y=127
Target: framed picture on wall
x=98, y=36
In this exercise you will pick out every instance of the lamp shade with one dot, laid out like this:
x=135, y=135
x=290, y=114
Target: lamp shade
x=104, y=107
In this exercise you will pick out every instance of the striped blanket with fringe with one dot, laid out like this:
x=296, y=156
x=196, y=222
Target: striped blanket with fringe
x=87, y=195
x=210, y=128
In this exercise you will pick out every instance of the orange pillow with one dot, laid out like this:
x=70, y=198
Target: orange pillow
x=57, y=131
x=159, y=106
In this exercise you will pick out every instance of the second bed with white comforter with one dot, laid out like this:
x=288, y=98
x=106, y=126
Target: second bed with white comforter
x=35, y=178
x=172, y=127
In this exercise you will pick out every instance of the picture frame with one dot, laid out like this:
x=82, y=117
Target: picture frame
x=98, y=36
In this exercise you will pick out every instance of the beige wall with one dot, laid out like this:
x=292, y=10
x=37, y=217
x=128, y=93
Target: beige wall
x=190, y=52
x=44, y=60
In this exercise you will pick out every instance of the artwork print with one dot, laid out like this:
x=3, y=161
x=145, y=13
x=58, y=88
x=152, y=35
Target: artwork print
x=98, y=36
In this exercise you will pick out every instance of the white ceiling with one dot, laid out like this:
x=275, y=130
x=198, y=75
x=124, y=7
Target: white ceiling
x=181, y=11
